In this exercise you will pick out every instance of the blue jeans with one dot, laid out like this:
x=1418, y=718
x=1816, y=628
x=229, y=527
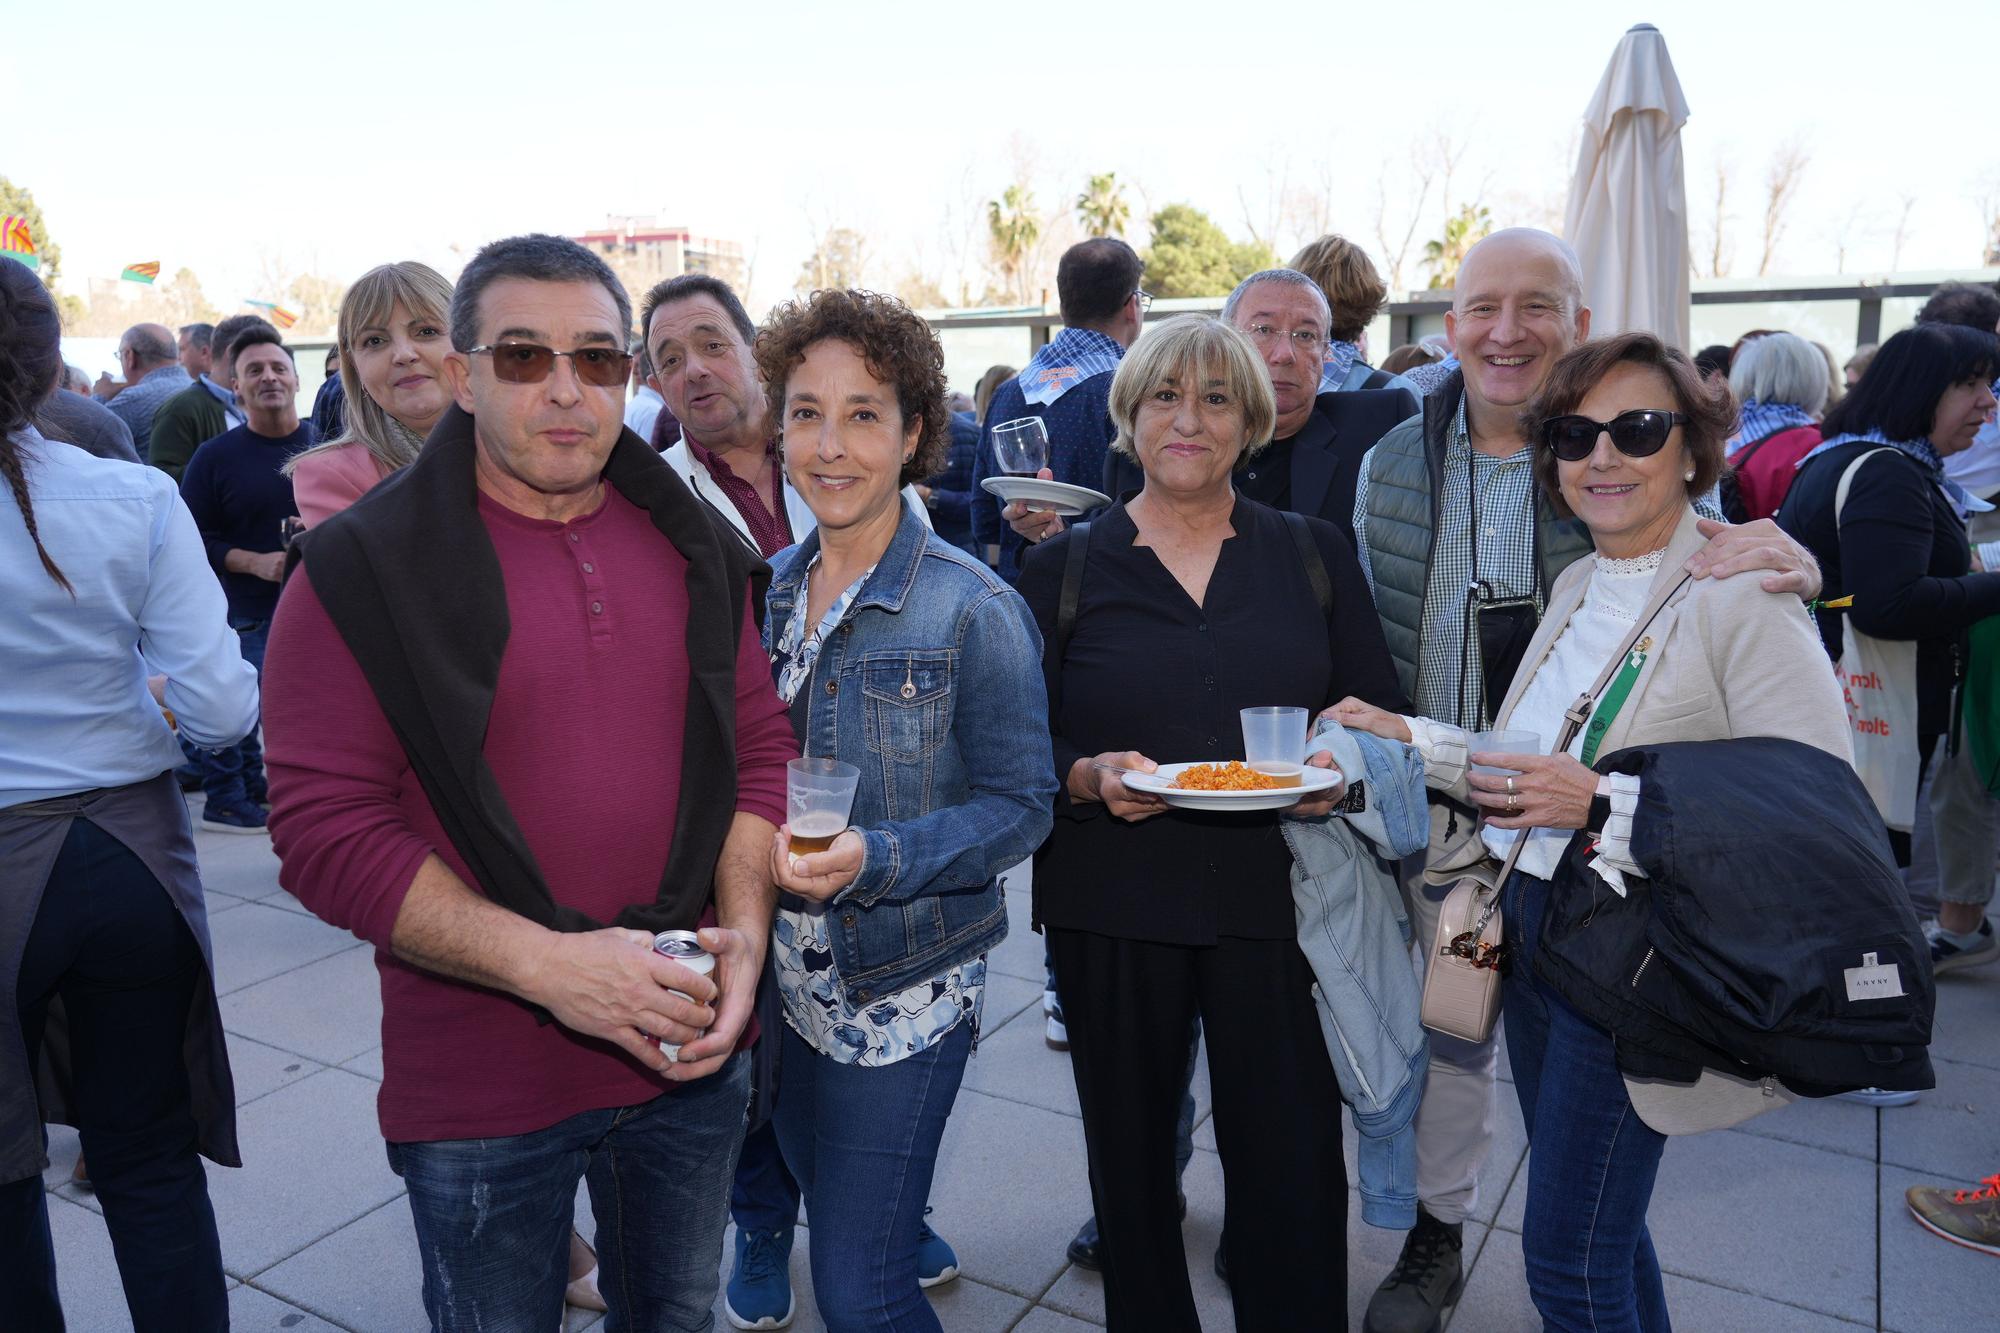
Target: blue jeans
x=763, y=1197
x=863, y=1144
x=493, y=1215
x=235, y=773
x=1592, y=1160
x=108, y=940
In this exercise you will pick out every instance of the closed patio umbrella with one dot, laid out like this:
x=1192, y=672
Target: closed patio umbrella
x=1627, y=214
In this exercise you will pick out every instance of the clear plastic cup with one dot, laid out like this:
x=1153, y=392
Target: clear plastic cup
x=1274, y=743
x=1503, y=742
x=819, y=796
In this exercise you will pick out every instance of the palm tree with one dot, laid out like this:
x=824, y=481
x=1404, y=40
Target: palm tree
x=1015, y=227
x=1462, y=231
x=1101, y=208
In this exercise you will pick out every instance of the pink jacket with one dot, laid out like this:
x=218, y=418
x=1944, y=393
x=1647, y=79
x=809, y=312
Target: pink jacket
x=328, y=482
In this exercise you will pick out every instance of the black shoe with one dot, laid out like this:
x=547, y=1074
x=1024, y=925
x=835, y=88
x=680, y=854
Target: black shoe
x=1427, y=1277
x=1083, y=1249
x=1222, y=1264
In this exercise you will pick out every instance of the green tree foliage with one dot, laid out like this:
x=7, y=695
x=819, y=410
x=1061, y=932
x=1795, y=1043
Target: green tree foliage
x=16, y=199
x=1463, y=230
x=1101, y=208
x=1014, y=226
x=1191, y=256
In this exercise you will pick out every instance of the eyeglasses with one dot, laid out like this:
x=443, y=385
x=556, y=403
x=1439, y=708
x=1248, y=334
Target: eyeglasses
x=1306, y=342
x=530, y=363
x=1145, y=300
x=1636, y=434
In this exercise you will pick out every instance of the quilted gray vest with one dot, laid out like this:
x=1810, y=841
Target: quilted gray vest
x=1402, y=518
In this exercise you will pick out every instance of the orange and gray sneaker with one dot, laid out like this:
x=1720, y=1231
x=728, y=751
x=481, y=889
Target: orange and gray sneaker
x=1964, y=1217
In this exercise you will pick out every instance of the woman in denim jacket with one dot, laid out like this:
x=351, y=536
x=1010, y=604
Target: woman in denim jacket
x=910, y=660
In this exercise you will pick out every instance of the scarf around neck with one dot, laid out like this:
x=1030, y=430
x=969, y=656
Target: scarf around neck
x=1925, y=454
x=409, y=577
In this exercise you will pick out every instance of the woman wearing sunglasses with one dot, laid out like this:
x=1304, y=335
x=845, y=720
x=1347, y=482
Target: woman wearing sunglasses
x=392, y=346
x=1626, y=434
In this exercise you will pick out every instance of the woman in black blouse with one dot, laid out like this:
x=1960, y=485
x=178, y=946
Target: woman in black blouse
x=1194, y=604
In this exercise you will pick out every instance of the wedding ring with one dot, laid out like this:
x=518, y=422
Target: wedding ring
x=1513, y=803
x=1510, y=784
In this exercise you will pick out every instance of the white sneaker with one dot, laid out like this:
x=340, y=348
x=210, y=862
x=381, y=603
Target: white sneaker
x=1878, y=1097
x=1057, y=1035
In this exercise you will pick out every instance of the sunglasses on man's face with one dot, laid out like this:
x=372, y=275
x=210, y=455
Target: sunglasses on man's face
x=531, y=363
x=1637, y=434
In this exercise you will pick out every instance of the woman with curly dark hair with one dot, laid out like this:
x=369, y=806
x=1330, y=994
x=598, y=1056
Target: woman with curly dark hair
x=908, y=659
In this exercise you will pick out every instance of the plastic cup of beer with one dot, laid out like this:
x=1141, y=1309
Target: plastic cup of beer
x=1274, y=743
x=1503, y=742
x=819, y=795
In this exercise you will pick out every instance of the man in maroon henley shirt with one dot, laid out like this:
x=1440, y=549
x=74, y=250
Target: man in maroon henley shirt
x=492, y=1113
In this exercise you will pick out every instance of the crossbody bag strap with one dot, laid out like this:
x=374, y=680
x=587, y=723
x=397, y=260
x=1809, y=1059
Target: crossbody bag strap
x=1309, y=556
x=1619, y=674
x=1056, y=647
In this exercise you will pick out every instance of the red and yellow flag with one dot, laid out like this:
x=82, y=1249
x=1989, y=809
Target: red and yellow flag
x=280, y=316
x=145, y=272
x=17, y=240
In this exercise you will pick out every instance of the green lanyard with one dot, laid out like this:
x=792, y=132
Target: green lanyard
x=1614, y=699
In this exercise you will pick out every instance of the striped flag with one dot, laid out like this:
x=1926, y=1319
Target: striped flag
x=280, y=316
x=145, y=272
x=17, y=242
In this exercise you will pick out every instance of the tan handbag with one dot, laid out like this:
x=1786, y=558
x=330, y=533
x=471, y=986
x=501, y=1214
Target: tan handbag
x=1462, y=975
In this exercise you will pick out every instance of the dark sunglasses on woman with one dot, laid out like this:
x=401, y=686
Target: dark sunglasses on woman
x=1636, y=434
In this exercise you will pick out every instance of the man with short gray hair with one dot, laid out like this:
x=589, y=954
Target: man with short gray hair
x=151, y=365
x=195, y=349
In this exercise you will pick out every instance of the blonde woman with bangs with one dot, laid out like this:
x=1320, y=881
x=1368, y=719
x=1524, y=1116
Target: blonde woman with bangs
x=1195, y=602
x=392, y=343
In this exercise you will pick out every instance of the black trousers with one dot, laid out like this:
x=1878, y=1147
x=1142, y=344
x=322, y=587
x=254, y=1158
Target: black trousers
x=1128, y=1005
x=109, y=941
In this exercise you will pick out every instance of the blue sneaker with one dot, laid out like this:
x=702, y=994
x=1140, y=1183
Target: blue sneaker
x=937, y=1262
x=235, y=817
x=760, y=1288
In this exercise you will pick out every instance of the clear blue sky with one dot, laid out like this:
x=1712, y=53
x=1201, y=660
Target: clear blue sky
x=334, y=136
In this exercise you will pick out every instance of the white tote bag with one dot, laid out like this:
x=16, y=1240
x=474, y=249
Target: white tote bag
x=1878, y=678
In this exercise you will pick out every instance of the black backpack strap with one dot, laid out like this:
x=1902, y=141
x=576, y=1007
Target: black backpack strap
x=1378, y=379
x=1056, y=647
x=1315, y=563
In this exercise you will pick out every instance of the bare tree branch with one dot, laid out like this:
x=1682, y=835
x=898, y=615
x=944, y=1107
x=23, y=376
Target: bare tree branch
x=1781, y=188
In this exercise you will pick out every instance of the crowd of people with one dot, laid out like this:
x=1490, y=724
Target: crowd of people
x=511, y=645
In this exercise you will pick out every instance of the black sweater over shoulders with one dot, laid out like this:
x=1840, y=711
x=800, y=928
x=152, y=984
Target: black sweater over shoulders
x=1148, y=670
x=1900, y=551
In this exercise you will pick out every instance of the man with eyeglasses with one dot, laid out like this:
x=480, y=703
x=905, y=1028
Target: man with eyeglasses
x=1460, y=550
x=1068, y=385
x=519, y=719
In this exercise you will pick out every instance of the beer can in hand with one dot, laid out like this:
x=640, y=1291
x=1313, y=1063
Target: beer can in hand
x=684, y=947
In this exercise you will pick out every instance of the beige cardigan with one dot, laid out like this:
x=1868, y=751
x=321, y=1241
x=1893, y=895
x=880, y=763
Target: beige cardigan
x=1727, y=659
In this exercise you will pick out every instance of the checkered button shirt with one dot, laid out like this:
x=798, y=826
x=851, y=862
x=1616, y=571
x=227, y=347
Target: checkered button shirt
x=1448, y=675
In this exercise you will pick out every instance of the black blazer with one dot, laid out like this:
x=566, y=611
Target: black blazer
x=1326, y=453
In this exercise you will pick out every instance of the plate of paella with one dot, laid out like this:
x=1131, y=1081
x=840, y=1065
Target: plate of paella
x=1232, y=785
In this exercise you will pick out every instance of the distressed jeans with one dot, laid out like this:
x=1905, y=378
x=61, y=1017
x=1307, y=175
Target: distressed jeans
x=493, y=1215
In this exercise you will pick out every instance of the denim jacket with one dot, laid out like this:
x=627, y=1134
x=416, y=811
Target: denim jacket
x=1353, y=931
x=932, y=687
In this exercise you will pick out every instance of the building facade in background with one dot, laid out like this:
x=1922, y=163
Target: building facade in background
x=641, y=251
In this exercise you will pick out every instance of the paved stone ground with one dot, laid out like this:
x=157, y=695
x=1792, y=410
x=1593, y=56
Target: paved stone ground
x=1793, y=1223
